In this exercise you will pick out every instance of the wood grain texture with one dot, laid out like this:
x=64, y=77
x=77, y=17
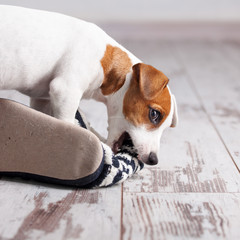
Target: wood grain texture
x=192, y=157
x=213, y=69
x=32, y=211
x=191, y=193
x=194, y=192
x=181, y=216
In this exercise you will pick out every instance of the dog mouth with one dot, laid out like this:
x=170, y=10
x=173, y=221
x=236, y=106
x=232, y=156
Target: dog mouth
x=124, y=139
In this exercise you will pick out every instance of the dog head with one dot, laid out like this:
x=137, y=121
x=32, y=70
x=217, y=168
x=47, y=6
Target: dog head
x=141, y=107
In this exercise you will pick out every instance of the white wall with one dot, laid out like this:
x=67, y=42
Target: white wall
x=140, y=10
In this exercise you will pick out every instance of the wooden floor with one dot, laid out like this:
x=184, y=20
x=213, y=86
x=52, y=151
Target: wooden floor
x=194, y=191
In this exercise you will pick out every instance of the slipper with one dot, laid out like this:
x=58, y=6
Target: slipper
x=36, y=146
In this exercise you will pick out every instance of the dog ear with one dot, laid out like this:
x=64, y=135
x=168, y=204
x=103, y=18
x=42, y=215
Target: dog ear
x=151, y=81
x=175, y=113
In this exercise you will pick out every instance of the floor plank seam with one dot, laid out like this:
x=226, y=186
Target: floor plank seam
x=121, y=215
x=212, y=123
x=193, y=87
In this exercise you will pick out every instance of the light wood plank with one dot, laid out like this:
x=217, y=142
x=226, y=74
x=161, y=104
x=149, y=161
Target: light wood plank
x=33, y=211
x=187, y=195
x=181, y=216
x=192, y=157
x=214, y=70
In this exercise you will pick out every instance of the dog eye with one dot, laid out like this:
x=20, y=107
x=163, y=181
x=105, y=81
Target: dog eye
x=155, y=116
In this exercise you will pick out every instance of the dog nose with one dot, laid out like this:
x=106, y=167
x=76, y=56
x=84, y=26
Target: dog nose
x=152, y=159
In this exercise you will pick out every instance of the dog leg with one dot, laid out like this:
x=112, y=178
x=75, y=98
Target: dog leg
x=42, y=105
x=64, y=100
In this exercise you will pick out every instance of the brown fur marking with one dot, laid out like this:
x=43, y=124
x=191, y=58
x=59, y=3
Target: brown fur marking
x=136, y=105
x=116, y=64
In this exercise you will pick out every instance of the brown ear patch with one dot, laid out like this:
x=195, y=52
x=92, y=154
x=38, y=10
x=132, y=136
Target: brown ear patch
x=136, y=106
x=151, y=81
x=116, y=64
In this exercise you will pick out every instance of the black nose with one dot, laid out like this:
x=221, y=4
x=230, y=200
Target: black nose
x=152, y=159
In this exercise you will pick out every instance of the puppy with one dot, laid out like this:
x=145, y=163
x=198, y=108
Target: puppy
x=58, y=60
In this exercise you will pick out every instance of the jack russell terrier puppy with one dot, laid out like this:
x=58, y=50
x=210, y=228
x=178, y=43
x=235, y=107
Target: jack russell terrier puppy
x=57, y=60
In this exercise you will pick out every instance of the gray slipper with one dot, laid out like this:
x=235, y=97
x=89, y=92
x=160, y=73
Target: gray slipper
x=36, y=146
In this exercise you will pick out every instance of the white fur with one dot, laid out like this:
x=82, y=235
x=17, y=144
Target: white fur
x=55, y=59
x=146, y=141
